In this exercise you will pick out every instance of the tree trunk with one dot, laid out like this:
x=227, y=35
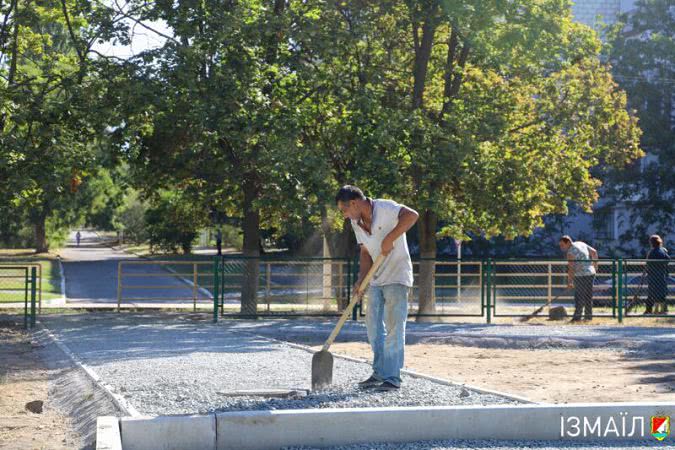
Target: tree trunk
x=427, y=234
x=249, y=291
x=41, y=244
x=428, y=220
x=341, y=244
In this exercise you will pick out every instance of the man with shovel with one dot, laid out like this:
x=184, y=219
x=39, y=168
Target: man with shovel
x=380, y=226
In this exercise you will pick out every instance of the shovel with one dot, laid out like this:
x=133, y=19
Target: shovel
x=322, y=361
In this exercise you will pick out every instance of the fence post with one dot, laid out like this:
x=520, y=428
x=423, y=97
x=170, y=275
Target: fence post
x=340, y=291
x=39, y=289
x=119, y=285
x=268, y=284
x=25, y=298
x=489, y=291
x=549, y=293
x=614, y=288
x=355, y=276
x=620, y=290
x=307, y=269
x=216, y=285
x=481, y=278
x=221, y=274
x=33, y=287
x=194, y=287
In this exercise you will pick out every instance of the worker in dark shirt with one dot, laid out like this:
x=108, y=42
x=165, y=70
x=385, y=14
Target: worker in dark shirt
x=657, y=276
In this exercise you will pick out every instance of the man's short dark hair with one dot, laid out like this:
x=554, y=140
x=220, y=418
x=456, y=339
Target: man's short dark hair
x=348, y=192
x=566, y=239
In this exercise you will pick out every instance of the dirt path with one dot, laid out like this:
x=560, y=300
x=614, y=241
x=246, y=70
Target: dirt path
x=552, y=376
x=24, y=378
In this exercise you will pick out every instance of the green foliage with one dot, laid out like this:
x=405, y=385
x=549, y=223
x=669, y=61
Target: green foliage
x=231, y=237
x=485, y=116
x=173, y=221
x=102, y=199
x=130, y=219
x=48, y=99
x=641, y=49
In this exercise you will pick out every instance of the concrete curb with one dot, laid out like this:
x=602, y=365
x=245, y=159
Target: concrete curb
x=169, y=432
x=117, y=399
x=254, y=430
x=405, y=371
x=108, y=436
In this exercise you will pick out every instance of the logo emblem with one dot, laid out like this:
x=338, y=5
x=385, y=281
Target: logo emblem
x=660, y=427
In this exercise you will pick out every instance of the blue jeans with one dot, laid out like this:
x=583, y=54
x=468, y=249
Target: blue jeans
x=385, y=321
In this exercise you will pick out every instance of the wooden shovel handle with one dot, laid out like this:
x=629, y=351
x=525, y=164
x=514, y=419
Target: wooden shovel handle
x=353, y=301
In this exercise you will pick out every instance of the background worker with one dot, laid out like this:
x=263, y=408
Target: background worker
x=582, y=266
x=657, y=275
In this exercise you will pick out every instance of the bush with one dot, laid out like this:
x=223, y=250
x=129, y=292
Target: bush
x=132, y=221
x=173, y=221
x=57, y=234
x=232, y=237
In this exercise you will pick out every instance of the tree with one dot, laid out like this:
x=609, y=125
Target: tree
x=641, y=50
x=48, y=98
x=485, y=116
x=214, y=112
x=173, y=221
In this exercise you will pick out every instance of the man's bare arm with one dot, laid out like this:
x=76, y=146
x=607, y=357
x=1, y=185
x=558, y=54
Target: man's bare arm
x=570, y=270
x=406, y=219
x=365, y=263
x=594, y=256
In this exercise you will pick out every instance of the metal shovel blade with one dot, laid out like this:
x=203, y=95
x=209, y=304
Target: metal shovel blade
x=322, y=370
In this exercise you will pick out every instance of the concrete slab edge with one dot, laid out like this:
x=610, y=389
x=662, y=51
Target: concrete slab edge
x=405, y=371
x=108, y=436
x=242, y=430
x=184, y=432
x=117, y=399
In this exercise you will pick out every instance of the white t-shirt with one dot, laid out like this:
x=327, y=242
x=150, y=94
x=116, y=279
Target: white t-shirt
x=581, y=253
x=397, y=266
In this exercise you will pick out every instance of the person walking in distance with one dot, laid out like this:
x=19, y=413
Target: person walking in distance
x=219, y=241
x=78, y=236
x=380, y=226
x=582, y=264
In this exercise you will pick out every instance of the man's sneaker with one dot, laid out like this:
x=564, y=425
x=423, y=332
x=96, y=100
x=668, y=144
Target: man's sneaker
x=370, y=383
x=387, y=387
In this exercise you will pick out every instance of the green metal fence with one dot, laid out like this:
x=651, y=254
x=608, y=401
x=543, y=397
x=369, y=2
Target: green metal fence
x=19, y=284
x=486, y=288
x=647, y=287
x=283, y=286
x=519, y=287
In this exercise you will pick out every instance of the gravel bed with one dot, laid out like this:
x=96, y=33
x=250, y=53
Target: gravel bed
x=503, y=445
x=165, y=365
x=529, y=336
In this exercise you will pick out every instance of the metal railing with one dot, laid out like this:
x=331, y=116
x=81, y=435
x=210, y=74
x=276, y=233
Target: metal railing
x=518, y=287
x=647, y=287
x=172, y=283
x=288, y=286
x=456, y=288
x=322, y=286
x=21, y=284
